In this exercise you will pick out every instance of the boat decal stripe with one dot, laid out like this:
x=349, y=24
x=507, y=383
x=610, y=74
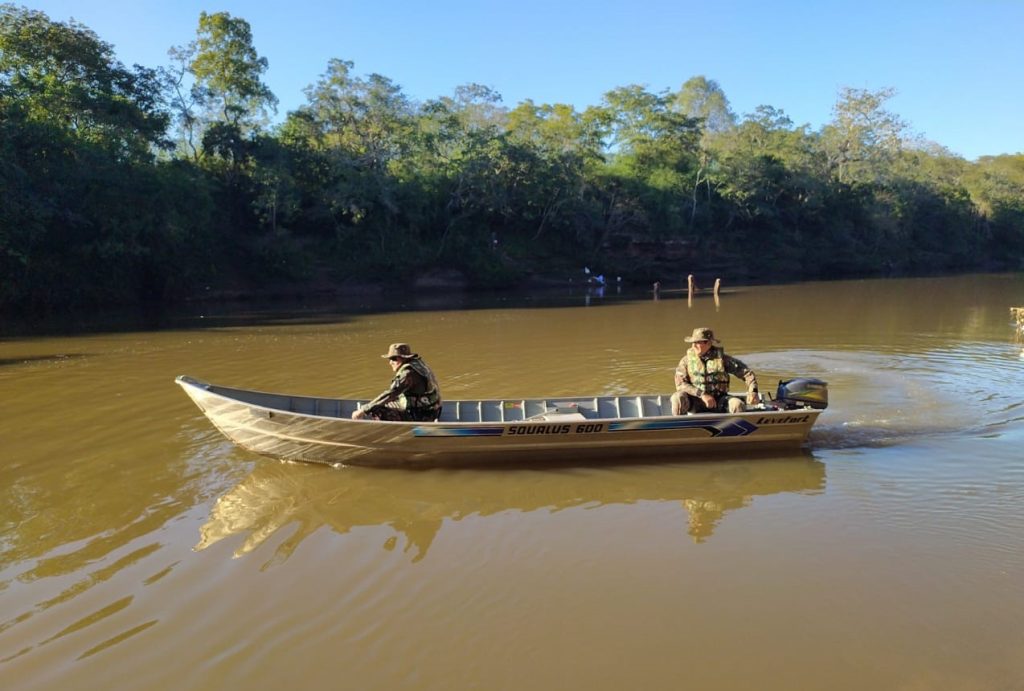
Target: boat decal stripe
x=457, y=431
x=716, y=427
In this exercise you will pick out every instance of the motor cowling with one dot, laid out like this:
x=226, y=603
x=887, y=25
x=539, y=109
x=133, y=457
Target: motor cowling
x=802, y=392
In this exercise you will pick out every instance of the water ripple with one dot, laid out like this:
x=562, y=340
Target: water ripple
x=880, y=398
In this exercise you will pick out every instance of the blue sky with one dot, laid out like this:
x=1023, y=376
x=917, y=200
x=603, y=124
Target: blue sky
x=957, y=66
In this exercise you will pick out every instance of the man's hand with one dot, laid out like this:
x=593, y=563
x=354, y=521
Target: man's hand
x=753, y=398
x=358, y=414
x=708, y=400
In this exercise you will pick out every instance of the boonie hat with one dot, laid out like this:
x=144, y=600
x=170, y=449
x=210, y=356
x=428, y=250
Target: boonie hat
x=702, y=333
x=399, y=350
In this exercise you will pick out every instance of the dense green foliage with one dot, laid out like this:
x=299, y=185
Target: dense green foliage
x=142, y=185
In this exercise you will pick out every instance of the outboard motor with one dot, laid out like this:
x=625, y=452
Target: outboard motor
x=802, y=392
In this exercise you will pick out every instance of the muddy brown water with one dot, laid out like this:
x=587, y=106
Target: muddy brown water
x=140, y=550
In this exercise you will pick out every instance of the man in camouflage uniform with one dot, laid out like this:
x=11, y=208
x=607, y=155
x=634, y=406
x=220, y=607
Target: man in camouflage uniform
x=702, y=378
x=413, y=395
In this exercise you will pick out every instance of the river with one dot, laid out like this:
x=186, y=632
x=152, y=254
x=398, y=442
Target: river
x=139, y=549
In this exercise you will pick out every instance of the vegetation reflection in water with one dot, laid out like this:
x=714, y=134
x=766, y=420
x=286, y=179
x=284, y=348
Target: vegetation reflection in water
x=900, y=572
x=417, y=504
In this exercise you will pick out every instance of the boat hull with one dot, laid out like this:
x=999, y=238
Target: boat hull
x=263, y=427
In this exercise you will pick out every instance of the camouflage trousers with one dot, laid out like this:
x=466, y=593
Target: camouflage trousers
x=392, y=413
x=684, y=403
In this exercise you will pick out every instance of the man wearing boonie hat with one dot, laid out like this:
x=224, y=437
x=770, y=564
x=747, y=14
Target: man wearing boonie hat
x=413, y=395
x=702, y=378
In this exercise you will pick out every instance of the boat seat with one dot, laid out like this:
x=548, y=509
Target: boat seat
x=565, y=411
x=559, y=417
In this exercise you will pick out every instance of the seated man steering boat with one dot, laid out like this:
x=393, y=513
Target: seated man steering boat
x=702, y=378
x=413, y=395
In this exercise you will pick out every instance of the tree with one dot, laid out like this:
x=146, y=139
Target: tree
x=456, y=155
x=478, y=107
x=230, y=71
x=996, y=185
x=185, y=98
x=705, y=102
x=64, y=76
x=863, y=138
x=652, y=152
x=369, y=119
x=355, y=131
x=703, y=99
x=216, y=80
x=765, y=161
x=82, y=221
x=563, y=147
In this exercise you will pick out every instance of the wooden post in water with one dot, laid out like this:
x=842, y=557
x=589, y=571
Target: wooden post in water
x=691, y=287
x=718, y=284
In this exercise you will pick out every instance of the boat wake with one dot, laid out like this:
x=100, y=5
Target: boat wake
x=882, y=399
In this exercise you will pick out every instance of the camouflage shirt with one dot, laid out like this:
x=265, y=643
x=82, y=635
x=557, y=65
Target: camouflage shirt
x=696, y=375
x=413, y=388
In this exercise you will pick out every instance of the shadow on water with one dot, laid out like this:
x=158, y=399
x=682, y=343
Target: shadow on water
x=417, y=505
x=56, y=357
x=323, y=309
x=319, y=309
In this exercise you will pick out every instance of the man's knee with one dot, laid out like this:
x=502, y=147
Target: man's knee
x=680, y=403
x=387, y=413
x=736, y=405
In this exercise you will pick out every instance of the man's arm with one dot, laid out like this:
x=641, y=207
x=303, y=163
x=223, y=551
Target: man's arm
x=739, y=370
x=399, y=385
x=682, y=379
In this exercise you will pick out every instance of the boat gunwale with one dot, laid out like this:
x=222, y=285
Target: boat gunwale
x=207, y=388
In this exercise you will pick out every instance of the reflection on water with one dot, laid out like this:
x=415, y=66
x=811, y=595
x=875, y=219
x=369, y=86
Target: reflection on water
x=110, y=477
x=416, y=505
